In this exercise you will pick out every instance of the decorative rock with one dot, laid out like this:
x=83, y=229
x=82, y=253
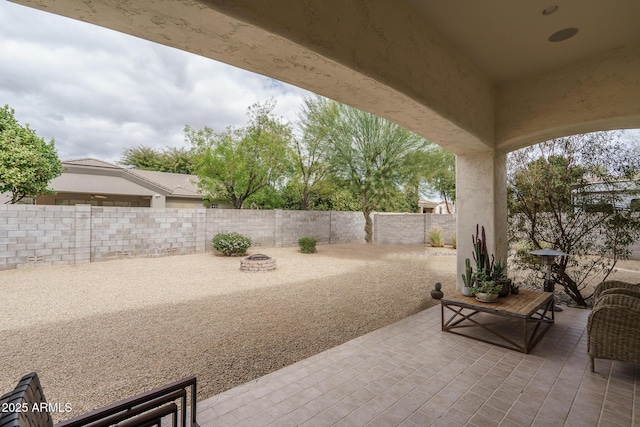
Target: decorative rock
x=437, y=292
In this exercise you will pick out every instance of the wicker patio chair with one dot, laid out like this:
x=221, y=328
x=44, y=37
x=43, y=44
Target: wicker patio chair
x=610, y=284
x=612, y=329
x=622, y=291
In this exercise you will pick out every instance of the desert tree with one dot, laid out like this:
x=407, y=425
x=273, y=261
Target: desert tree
x=170, y=159
x=573, y=194
x=240, y=162
x=370, y=153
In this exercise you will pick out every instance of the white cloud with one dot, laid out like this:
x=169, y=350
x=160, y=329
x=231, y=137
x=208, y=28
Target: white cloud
x=98, y=92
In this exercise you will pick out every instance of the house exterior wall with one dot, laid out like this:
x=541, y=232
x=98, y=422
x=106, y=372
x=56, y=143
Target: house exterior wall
x=183, y=202
x=71, y=199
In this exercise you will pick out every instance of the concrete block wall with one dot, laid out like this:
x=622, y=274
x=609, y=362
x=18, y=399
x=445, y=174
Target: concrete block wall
x=47, y=235
x=347, y=227
x=38, y=235
x=445, y=222
x=259, y=225
x=411, y=229
x=399, y=228
x=297, y=224
x=139, y=232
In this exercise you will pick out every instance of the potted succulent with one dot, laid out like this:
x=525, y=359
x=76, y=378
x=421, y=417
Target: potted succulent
x=515, y=288
x=469, y=280
x=488, y=291
x=499, y=275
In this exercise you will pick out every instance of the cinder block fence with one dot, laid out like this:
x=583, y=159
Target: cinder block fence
x=34, y=235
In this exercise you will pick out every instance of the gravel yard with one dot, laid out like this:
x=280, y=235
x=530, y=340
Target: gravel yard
x=100, y=332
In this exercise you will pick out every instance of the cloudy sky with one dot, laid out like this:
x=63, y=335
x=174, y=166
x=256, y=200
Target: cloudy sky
x=97, y=91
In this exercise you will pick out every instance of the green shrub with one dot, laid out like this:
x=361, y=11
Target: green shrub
x=231, y=244
x=307, y=245
x=436, y=237
x=454, y=241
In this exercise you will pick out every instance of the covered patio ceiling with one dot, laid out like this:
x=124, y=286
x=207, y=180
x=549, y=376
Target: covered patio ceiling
x=471, y=76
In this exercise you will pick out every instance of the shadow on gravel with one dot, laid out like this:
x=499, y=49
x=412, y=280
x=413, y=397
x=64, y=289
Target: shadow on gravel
x=225, y=340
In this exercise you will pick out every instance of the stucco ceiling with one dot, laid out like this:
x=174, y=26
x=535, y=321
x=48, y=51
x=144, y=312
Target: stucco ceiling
x=470, y=75
x=509, y=39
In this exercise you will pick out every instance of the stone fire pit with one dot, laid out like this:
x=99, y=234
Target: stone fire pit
x=258, y=263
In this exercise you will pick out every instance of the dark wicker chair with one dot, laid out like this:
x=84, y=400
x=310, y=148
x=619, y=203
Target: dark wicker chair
x=612, y=328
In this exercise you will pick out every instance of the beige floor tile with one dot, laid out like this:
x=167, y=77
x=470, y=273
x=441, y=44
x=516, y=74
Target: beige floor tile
x=412, y=374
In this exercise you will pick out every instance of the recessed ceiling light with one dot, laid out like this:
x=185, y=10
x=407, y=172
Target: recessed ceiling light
x=549, y=10
x=562, y=35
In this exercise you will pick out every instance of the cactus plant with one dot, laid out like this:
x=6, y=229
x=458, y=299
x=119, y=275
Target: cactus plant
x=484, y=265
x=469, y=279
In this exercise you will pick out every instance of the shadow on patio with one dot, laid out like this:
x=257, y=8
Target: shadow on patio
x=411, y=373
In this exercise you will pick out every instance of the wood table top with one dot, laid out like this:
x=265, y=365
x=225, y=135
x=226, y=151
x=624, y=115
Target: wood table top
x=522, y=305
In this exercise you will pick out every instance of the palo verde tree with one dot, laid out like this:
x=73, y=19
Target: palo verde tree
x=573, y=194
x=239, y=163
x=310, y=150
x=27, y=162
x=370, y=153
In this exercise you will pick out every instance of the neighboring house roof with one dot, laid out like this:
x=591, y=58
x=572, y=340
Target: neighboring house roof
x=427, y=204
x=177, y=183
x=167, y=183
x=90, y=162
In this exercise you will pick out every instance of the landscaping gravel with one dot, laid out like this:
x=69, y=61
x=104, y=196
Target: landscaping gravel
x=100, y=332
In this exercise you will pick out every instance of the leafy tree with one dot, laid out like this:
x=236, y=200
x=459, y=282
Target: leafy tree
x=266, y=198
x=176, y=160
x=27, y=162
x=371, y=154
x=343, y=198
x=310, y=180
x=572, y=194
x=238, y=163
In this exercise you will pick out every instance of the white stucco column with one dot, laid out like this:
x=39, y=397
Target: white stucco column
x=481, y=198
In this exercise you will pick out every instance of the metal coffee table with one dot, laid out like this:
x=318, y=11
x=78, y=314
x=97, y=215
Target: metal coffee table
x=516, y=322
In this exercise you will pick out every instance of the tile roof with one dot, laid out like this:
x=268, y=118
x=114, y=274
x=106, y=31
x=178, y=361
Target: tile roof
x=91, y=162
x=177, y=183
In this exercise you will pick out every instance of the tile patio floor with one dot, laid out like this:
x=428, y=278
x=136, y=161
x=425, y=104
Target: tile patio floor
x=412, y=374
